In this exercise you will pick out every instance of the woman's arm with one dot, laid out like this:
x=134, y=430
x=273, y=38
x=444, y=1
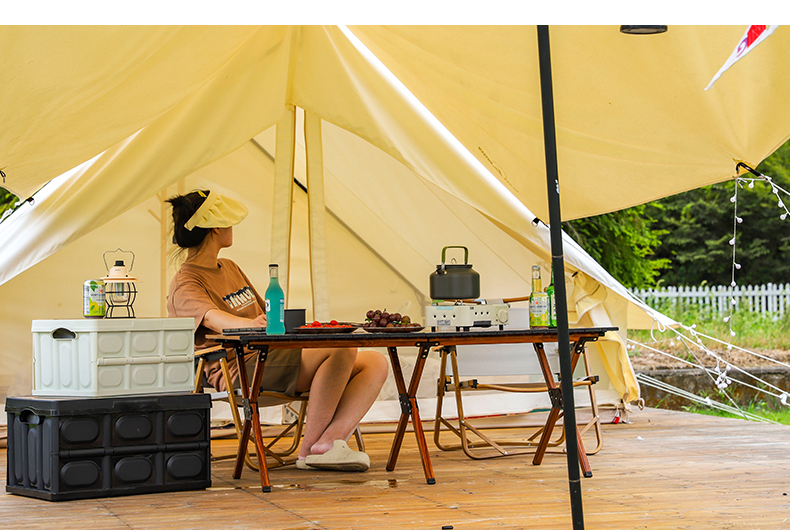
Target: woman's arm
x=217, y=320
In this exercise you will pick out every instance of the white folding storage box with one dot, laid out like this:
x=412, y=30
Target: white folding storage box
x=113, y=357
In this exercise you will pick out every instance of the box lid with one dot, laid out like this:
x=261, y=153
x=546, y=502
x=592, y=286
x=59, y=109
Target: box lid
x=114, y=324
x=67, y=406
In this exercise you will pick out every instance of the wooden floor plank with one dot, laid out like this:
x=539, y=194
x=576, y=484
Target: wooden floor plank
x=664, y=470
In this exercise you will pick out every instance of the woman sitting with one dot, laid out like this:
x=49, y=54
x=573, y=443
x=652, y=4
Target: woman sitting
x=343, y=383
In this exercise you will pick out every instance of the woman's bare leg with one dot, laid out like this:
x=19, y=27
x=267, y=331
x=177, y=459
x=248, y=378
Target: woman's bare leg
x=343, y=385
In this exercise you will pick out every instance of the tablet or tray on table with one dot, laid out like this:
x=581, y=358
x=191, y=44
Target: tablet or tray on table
x=410, y=329
x=342, y=327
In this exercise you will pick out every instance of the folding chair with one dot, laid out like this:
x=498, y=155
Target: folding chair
x=518, y=364
x=294, y=427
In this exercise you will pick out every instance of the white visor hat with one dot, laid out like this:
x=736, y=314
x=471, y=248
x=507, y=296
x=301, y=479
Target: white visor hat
x=217, y=211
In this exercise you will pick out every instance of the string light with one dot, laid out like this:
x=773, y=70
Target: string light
x=735, y=265
x=722, y=379
x=739, y=182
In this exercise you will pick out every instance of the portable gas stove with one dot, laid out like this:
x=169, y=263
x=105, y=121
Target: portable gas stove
x=465, y=315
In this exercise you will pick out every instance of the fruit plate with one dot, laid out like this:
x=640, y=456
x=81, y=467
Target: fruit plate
x=349, y=328
x=393, y=330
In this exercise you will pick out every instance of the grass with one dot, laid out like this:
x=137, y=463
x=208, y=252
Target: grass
x=781, y=415
x=752, y=330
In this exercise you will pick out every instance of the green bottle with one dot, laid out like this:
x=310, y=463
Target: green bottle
x=552, y=302
x=274, y=300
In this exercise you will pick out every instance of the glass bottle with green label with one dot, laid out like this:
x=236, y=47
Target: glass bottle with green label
x=538, y=302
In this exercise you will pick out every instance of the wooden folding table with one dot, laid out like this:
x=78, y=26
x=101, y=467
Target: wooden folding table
x=424, y=341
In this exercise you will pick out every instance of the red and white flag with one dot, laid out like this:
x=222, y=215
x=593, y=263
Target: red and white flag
x=754, y=35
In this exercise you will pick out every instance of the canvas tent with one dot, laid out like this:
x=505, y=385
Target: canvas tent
x=415, y=138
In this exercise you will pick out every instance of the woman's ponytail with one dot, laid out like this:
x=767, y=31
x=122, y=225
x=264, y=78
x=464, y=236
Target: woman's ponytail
x=184, y=207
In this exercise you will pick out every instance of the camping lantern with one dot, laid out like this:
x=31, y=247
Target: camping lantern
x=120, y=290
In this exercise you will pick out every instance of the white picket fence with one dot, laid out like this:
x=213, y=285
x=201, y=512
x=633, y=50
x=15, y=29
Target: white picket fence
x=766, y=299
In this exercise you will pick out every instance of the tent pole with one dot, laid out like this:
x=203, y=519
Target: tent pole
x=282, y=211
x=557, y=262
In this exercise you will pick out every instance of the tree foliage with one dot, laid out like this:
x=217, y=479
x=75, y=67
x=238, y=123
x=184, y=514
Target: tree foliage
x=699, y=224
x=684, y=239
x=8, y=201
x=623, y=242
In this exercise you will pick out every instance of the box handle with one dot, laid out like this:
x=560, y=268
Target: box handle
x=63, y=334
x=28, y=417
x=115, y=361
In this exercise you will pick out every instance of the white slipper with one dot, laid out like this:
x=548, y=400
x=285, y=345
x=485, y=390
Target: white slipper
x=301, y=464
x=339, y=458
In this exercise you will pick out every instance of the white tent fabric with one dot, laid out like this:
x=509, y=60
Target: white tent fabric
x=379, y=248
x=424, y=142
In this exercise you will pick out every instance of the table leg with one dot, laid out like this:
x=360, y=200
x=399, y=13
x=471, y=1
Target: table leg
x=584, y=462
x=409, y=408
x=555, y=393
x=244, y=438
x=250, y=392
x=245, y=396
x=577, y=350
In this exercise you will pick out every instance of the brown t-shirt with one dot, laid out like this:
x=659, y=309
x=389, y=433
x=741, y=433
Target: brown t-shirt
x=196, y=290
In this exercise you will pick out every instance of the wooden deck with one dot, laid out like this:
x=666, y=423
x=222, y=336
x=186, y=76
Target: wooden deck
x=664, y=470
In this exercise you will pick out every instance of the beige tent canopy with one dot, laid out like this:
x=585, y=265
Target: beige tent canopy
x=629, y=108
x=406, y=139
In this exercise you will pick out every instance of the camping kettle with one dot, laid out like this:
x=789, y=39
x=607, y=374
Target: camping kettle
x=454, y=281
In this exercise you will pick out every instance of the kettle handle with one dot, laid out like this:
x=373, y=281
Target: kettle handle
x=466, y=253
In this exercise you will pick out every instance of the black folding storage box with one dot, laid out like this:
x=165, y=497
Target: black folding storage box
x=66, y=448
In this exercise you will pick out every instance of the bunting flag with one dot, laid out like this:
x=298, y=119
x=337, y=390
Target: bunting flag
x=754, y=35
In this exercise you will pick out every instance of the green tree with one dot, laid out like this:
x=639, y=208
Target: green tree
x=698, y=226
x=624, y=243
x=685, y=239
x=8, y=201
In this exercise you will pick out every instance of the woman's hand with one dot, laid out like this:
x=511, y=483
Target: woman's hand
x=259, y=321
x=217, y=320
